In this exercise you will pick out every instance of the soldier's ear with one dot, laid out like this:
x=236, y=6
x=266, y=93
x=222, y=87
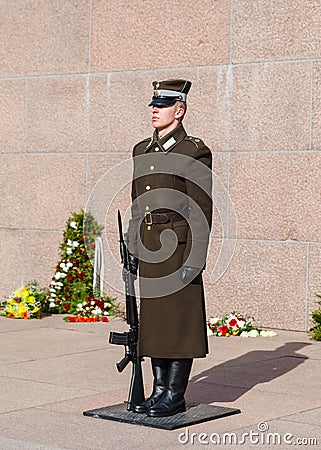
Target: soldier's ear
x=179, y=113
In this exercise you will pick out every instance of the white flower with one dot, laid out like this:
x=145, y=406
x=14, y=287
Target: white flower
x=213, y=320
x=87, y=308
x=52, y=305
x=253, y=333
x=52, y=290
x=53, y=295
x=267, y=333
x=106, y=313
x=60, y=275
x=97, y=311
x=209, y=332
x=75, y=244
x=65, y=267
x=69, y=242
x=73, y=225
x=79, y=305
x=244, y=334
x=92, y=302
x=69, y=251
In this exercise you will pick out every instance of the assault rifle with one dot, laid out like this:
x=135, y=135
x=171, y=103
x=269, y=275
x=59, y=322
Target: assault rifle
x=129, y=339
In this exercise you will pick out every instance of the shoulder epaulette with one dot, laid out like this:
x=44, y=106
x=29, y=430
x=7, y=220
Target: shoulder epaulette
x=142, y=141
x=196, y=141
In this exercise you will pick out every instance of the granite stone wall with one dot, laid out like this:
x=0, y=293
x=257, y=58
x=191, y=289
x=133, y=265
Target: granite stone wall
x=75, y=80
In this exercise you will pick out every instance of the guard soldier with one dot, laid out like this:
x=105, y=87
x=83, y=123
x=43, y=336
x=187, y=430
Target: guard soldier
x=168, y=239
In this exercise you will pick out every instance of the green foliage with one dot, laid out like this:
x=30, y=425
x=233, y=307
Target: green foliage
x=315, y=332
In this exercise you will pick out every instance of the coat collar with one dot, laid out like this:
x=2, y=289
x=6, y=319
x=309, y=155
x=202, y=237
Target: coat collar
x=169, y=141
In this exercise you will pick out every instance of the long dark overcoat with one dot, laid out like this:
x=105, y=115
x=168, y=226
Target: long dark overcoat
x=169, y=228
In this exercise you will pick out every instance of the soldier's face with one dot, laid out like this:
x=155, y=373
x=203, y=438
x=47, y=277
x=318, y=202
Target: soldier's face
x=165, y=118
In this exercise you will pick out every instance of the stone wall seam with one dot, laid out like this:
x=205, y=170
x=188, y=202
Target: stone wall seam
x=272, y=241
x=311, y=105
x=231, y=31
x=90, y=33
x=25, y=143
x=22, y=241
x=87, y=180
x=228, y=193
x=167, y=69
x=306, y=304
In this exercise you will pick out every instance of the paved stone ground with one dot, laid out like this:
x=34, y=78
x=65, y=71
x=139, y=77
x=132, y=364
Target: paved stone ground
x=52, y=371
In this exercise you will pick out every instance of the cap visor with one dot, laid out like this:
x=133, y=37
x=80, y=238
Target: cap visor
x=162, y=101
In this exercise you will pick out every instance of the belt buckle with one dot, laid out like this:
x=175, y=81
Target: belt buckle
x=148, y=218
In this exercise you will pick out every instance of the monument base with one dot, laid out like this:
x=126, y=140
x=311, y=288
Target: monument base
x=194, y=414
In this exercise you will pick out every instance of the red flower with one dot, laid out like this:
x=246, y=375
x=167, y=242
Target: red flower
x=66, y=306
x=100, y=304
x=104, y=319
x=233, y=323
x=70, y=277
x=223, y=329
x=81, y=275
x=92, y=245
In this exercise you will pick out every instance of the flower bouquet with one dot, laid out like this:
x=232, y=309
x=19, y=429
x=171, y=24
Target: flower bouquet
x=92, y=309
x=235, y=324
x=27, y=302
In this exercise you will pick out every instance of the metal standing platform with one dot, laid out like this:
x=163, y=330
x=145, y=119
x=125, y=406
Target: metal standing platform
x=193, y=415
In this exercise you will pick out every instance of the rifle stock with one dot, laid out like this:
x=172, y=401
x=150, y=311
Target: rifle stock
x=129, y=339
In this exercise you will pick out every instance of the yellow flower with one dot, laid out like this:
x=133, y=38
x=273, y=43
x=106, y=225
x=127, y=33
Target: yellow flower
x=22, y=308
x=18, y=292
x=31, y=299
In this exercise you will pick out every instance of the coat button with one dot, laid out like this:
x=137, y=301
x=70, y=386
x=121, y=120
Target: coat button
x=147, y=187
x=149, y=228
x=152, y=168
x=156, y=149
x=146, y=208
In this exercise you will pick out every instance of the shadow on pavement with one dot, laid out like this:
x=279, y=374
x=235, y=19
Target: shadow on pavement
x=228, y=381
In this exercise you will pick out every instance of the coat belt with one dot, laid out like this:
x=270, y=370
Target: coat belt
x=156, y=217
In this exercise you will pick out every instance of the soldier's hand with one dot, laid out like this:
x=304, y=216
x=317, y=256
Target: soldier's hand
x=133, y=263
x=188, y=274
x=125, y=274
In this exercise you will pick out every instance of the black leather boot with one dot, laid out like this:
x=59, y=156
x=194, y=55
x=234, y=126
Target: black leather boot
x=172, y=401
x=160, y=372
